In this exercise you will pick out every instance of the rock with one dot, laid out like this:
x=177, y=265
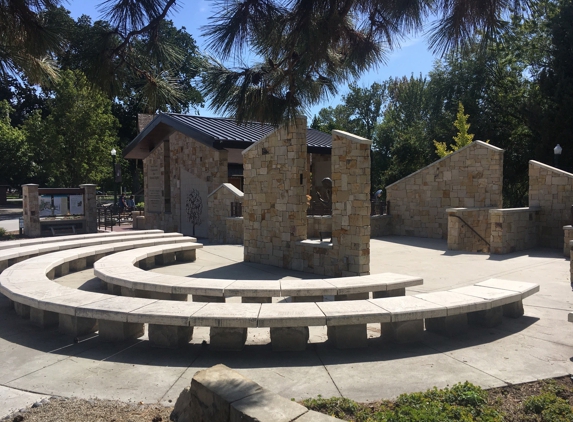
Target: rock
x=182, y=409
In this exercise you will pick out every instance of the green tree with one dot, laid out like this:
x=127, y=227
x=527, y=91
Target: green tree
x=14, y=154
x=310, y=48
x=71, y=145
x=462, y=138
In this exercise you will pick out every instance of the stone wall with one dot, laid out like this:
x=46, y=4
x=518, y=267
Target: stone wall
x=461, y=237
x=380, y=225
x=276, y=171
x=31, y=210
x=514, y=229
x=235, y=228
x=220, y=394
x=192, y=165
x=317, y=224
x=276, y=177
x=552, y=190
x=470, y=177
x=567, y=238
x=219, y=202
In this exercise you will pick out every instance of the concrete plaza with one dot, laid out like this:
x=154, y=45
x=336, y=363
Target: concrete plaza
x=42, y=362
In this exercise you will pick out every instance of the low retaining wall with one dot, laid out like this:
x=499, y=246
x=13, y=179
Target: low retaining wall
x=514, y=229
x=461, y=221
x=234, y=230
x=219, y=394
x=380, y=225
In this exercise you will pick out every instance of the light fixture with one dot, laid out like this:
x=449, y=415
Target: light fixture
x=556, y=154
x=113, y=152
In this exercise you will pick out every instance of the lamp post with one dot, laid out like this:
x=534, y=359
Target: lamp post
x=113, y=152
x=556, y=154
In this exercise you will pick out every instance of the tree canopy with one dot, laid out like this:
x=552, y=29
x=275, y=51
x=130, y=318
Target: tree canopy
x=307, y=49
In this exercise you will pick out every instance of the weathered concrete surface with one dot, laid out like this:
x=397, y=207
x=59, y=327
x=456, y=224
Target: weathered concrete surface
x=535, y=346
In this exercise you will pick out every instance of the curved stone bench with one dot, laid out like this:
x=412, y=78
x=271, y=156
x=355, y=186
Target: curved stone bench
x=9, y=244
x=171, y=323
x=121, y=270
x=11, y=256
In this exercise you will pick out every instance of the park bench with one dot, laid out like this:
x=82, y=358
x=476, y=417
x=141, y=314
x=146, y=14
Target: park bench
x=120, y=272
x=11, y=256
x=66, y=229
x=170, y=323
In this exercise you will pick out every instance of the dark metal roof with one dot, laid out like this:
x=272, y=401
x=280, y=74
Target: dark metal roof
x=219, y=133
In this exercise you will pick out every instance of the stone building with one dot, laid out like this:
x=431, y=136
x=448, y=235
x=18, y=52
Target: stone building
x=186, y=157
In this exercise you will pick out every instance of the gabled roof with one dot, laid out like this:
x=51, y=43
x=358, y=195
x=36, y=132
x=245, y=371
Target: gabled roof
x=216, y=132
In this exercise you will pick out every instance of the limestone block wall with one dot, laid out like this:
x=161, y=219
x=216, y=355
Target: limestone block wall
x=276, y=171
x=235, y=228
x=276, y=177
x=380, y=225
x=567, y=237
x=514, y=229
x=349, y=251
x=219, y=202
x=31, y=208
x=552, y=190
x=470, y=177
x=317, y=224
x=90, y=208
x=461, y=237
x=192, y=165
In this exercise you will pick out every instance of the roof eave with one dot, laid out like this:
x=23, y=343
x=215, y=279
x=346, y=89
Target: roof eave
x=159, y=130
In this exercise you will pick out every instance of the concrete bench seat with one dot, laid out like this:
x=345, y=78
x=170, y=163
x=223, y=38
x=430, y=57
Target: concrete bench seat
x=11, y=256
x=120, y=270
x=170, y=323
x=44, y=240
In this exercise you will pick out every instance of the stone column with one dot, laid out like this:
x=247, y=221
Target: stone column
x=31, y=205
x=90, y=208
x=351, y=203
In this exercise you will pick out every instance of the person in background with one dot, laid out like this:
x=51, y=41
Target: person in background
x=131, y=203
x=122, y=203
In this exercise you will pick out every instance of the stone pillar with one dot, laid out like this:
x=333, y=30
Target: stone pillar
x=488, y=318
x=31, y=205
x=111, y=331
x=567, y=237
x=43, y=319
x=289, y=339
x=90, y=208
x=348, y=336
x=77, y=326
x=169, y=336
x=274, y=204
x=351, y=203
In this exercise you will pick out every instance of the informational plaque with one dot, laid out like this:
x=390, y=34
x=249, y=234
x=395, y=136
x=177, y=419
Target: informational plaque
x=45, y=205
x=57, y=205
x=154, y=188
x=76, y=204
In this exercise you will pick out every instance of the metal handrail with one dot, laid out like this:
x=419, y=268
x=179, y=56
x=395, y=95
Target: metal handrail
x=472, y=229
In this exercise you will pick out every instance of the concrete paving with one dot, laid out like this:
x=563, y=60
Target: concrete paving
x=42, y=362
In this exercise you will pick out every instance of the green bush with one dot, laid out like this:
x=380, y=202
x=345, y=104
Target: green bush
x=550, y=407
x=463, y=402
x=140, y=206
x=2, y=232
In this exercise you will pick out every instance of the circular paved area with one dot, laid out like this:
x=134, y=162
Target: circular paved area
x=535, y=346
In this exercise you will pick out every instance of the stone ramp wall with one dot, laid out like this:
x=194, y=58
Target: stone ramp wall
x=552, y=190
x=514, y=229
x=470, y=177
x=461, y=237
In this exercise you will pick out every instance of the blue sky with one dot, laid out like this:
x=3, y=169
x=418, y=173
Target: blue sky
x=412, y=58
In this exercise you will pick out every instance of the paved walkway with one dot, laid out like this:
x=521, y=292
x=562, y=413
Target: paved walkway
x=536, y=346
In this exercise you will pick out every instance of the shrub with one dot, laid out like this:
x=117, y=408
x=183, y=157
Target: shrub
x=2, y=232
x=140, y=206
x=550, y=407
